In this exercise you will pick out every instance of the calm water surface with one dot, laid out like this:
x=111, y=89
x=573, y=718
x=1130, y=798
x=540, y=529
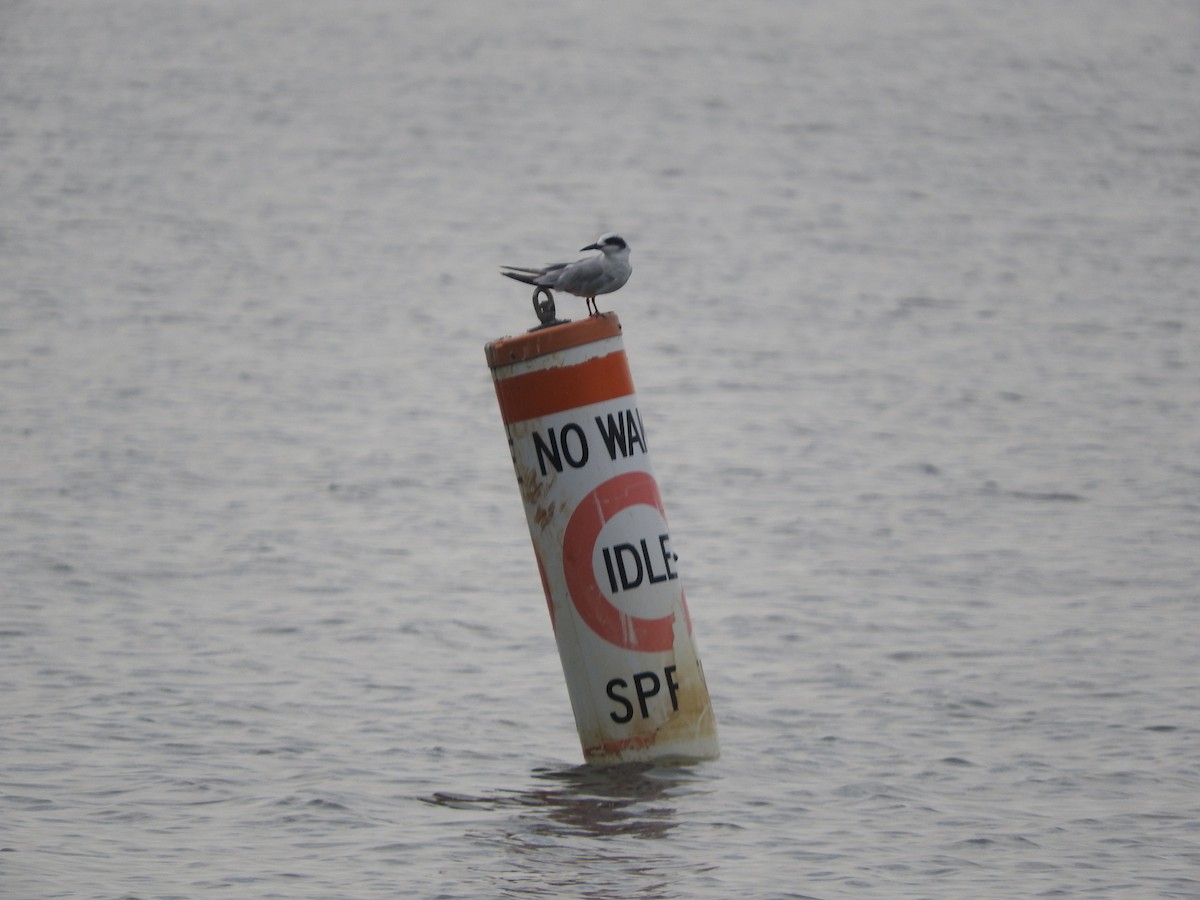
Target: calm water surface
x=914, y=324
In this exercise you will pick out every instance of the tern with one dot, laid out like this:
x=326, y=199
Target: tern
x=600, y=273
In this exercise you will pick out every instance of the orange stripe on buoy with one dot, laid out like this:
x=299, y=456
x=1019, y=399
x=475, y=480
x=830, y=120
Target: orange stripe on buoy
x=549, y=391
x=530, y=345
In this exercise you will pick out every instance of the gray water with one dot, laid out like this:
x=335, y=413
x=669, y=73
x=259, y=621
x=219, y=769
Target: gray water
x=914, y=325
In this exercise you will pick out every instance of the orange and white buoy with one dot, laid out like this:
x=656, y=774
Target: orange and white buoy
x=603, y=548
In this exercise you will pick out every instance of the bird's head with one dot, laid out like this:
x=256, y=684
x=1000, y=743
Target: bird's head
x=608, y=243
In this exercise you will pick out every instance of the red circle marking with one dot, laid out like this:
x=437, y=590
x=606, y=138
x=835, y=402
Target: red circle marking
x=579, y=543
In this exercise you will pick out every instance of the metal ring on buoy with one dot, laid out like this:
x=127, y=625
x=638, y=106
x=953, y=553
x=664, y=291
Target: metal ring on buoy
x=545, y=310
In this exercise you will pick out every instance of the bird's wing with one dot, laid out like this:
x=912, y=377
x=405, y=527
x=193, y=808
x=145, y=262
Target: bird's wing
x=529, y=276
x=545, y=276
x=583, y=277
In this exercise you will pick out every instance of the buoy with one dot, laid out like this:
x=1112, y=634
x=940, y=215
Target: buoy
x=610, y=573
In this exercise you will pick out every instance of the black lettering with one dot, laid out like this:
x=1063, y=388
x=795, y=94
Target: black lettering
x=553, y=452
x=624, y=551
x=642, y=694
x=672, y=686
x=613, y=435
x=628, y=566
x=668, y=555
x=654, y=579
x=635, y=429
x=611, y=690
x=612, y=576
x=545, y=451
x=622, y=432
x=579, y=458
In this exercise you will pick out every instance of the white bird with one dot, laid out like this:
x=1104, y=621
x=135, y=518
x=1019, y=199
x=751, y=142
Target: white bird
x=601, y=273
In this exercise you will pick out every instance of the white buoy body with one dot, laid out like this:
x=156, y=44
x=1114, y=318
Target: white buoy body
x=608, y=568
